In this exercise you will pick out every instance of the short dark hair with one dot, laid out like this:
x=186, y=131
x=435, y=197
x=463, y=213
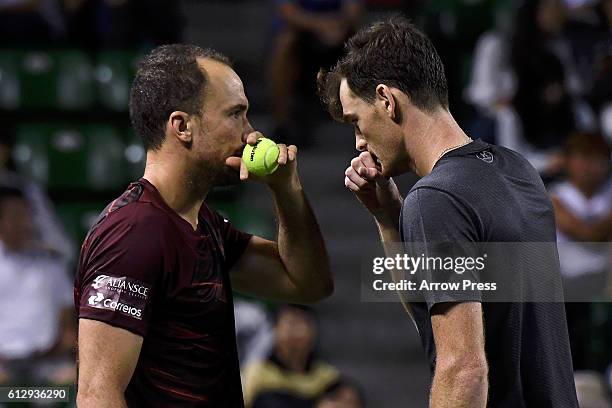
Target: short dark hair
x=168, y=79
x=393, y=52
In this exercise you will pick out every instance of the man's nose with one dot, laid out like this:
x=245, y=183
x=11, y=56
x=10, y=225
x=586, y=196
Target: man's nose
x=247, y=128
x=360, y=143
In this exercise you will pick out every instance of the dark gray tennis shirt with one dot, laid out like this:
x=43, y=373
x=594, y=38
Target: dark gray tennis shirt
x=482, y=193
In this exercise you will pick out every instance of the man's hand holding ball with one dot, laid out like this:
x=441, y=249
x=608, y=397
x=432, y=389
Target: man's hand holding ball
x=271, y=163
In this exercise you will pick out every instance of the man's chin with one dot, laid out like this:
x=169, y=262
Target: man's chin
x=397, y=169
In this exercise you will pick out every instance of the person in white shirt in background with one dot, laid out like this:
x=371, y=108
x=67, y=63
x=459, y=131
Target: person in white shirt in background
x=37, y=327
x=50, y=234
x=583, y=212
x=254, y=331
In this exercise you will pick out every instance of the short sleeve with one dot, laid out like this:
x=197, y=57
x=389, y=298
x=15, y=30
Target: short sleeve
x=234, y=240
x=441, y=230
x=121, y=270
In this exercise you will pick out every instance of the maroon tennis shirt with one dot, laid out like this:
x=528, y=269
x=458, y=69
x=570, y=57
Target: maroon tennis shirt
x=143, y=268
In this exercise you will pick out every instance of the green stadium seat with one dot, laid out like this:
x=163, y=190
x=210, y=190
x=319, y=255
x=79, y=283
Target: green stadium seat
x=105, y=158
x=115, y=71
x=78, y=218
x=135, y=155
x=71, y=156
x=48, y=80
x=9, y=80
x=75, y=86
x=246, y=218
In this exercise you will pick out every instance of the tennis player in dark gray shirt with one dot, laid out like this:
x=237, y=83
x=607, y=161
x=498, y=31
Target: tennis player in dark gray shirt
x=391, y=87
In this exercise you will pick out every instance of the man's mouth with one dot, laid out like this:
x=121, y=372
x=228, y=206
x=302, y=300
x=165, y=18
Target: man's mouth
x=238, y=152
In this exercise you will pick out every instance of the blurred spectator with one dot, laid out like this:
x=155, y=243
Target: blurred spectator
x=538, y=53
x=601, y=95
x=583, y=204
x=37, y=330
x=491, y=87
x=583, y=212
x=27, y=22
x=588, y=33
x=49, y=233
x=601, y=91
x=308, y=34
x=527, y=88
x=292, y=376
x=454, y=26
x=343, y=394
x=253, y=331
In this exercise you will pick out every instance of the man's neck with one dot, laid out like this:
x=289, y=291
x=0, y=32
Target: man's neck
x=172, y=181
x=437, y=135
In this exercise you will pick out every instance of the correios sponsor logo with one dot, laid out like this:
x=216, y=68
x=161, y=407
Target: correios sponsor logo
x=95, y=299
x=121, y=285
x=98, y=301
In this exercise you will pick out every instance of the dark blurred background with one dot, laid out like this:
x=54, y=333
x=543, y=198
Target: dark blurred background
x=534, y=76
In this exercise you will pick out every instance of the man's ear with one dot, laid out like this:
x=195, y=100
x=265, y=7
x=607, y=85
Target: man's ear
x=180, y=126
x=385, y=97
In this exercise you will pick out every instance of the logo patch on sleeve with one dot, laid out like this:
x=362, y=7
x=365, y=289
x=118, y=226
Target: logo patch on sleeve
x=119, y=294
x=485, y=156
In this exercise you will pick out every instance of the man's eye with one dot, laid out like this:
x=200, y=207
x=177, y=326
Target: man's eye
x=236, y=114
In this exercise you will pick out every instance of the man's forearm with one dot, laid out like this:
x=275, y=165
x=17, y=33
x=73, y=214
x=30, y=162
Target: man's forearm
x=101, y=399
x=388, y=228
x=459, y=389
x=300, y=243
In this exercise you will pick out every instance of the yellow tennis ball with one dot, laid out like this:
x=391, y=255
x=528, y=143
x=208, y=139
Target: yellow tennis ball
x=261, y=158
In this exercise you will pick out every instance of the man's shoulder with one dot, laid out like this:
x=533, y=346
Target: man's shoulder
x=131, y=219
x=475, y=174
x=449, y=175
x=137, y=214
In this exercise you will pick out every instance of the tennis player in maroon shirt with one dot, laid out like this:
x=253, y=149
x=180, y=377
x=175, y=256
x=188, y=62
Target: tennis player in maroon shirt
x=154, y=285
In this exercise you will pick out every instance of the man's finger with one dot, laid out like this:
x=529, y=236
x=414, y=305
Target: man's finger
x=244, y=172
x=367, y=173
x=372, y=173
x=282, y=155
x=367, y=159
x=237, y=164
x=355, y=162
x=292, y=152
x=352, y=175
x=252, y=137
x=350, y=185
x=233, y=162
